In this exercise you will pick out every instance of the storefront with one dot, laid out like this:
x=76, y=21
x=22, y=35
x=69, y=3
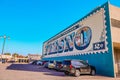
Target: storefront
x=90, y=38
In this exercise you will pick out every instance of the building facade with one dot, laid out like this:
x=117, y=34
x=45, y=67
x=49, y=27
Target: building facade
x=93, y=38
x=33, y=57
x=5, y=57
x=21, y=59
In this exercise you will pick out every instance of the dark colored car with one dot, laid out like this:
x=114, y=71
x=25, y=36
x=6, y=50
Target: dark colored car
x=77, y=67
x=3, y=61
x=58, y=65
x=45, y=65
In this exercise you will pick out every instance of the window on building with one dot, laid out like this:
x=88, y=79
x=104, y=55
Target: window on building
x=115, y=23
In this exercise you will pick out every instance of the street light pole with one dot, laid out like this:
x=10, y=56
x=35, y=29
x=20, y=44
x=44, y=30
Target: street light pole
x=4, y=37
x=3, y=44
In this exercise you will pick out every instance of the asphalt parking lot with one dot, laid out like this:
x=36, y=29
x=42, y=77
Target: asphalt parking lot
x=17, y=71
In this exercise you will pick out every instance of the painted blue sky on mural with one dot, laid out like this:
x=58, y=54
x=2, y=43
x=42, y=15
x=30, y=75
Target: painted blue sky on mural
x=31, y=22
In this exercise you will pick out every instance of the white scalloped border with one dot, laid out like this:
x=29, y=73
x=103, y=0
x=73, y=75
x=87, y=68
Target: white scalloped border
x=88, y=52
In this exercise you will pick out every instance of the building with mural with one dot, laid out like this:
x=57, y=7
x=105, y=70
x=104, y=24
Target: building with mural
x=94, y=38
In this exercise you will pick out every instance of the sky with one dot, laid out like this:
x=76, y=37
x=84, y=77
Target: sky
x=29, y=23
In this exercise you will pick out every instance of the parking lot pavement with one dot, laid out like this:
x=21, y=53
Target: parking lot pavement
x=18, y=71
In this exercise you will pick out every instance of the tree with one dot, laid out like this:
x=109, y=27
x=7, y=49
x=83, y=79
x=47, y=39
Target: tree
x=15, y=55
x=7, y=53
x=26, y=56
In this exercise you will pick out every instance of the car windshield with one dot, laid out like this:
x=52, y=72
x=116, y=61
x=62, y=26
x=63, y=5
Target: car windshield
x=58, y=62
x=51, y=61
x=84, y=63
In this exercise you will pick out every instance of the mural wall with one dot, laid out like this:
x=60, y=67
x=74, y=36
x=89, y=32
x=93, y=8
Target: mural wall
x=90, y=35
x=86, y=36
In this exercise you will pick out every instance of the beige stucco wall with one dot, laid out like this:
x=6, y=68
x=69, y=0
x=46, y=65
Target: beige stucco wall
x=114, y=12
x=116, y=34
x=6, y=56
x=115, y=30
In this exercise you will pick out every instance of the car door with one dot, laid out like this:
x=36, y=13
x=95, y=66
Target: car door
x=66, y=65
x=84, y=68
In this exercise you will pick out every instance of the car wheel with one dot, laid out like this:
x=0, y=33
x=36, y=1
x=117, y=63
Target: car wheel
x=66, y=73
x=93, y=72
x=77, y=73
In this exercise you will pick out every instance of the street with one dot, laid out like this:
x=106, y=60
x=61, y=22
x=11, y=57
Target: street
x=17, y=71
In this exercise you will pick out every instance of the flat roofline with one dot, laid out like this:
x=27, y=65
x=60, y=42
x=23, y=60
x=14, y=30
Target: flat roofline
x=114, y=6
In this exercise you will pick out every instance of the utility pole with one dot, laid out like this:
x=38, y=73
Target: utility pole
x=4, y=37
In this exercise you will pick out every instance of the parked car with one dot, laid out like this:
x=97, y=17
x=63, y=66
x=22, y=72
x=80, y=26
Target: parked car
x=43, y=62
x=51, y=64
x=34, y=62
x=58, y=65
x=77, y=67
x=11, y=61
x=3, y=61
x=45, y=65
x=39, y=62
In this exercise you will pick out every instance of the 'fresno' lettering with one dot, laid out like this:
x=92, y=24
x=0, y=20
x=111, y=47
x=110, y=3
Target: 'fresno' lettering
x=79, y=40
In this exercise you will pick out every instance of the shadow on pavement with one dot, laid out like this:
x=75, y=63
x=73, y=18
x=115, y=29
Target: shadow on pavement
x=56, y=74
x=27, y=67
x=33, y=68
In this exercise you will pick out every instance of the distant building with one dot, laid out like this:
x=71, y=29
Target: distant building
x=33, y=57
x=21, y=59
x=6, y=57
